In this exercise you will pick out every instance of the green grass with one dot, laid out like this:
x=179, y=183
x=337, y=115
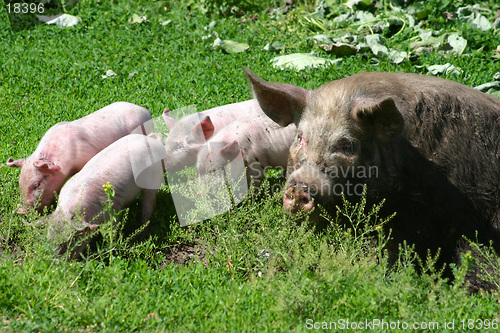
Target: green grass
x=259, y=270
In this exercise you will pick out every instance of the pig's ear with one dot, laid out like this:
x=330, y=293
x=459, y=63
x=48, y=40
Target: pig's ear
x=283, y=103
x=15, y=164
x=203, y=130
x=381, y=117
x=46, y=166
x=156, y=136
x=168, y=119
x=230, y=150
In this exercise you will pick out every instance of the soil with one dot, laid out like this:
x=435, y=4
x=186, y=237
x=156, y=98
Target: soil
x=183, y=254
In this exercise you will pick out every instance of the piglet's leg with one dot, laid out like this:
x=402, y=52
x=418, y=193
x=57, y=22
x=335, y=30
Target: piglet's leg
x=148, y=205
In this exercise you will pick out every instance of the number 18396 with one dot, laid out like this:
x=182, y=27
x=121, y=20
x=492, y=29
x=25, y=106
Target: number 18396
x=25, y=8
x=479, y=324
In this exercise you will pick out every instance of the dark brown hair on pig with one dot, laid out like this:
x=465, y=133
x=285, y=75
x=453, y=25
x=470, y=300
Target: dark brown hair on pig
x=429, y=146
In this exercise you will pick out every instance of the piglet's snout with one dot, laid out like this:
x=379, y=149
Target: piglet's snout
x=298, y=198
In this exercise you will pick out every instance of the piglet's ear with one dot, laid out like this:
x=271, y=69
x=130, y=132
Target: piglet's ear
x=46, y=166
x=15, y=164
x=203, y=130
x=168, y=119
x=230, y=150
x=281, y=102
x=381, y=117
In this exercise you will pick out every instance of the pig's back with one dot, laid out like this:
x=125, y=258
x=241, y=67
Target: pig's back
x=260, y=139
x=454, y=126
x=111, y=123
x=113, y=165
x=224, y=115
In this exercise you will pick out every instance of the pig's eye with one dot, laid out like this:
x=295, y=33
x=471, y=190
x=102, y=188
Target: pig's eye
x=298, y=136
x=345, y=147
x=37, y=185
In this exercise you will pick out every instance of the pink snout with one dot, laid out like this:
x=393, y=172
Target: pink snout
x=297, y=198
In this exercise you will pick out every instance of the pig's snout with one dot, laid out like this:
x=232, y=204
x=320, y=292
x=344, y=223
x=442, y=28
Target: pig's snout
x=298, y=198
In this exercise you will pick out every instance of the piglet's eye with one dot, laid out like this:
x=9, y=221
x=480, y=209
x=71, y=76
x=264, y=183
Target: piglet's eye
x=37, y=185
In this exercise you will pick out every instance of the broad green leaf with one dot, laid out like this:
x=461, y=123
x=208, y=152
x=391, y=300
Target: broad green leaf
x=363, y=47
x=467, y=12
x=299, y=61
x=340, y=49
x=411, y=20
x=496, y=53
x=359, y=3
x=230, y=46
x=65, y=21
x=342, y=18
x=473, y=15
x=234, y=47
x=491, y=88
x=362, y=16
x=210, y=26
x=347, y=38
x=109, y=74
x=380, y=26
x=274, y=46
x=496, y=24
x=481, y=22
x=374, y=42
x=444, y=69
x=322, y=39
x=495, y=92
x=435, y=42
x=218, y=42
x=457, y=43
x=446, y=42
x=424, y=34
x=393, y=22
x=320, y=10
x=397, y=57
x=137, y=19
x=495, y=85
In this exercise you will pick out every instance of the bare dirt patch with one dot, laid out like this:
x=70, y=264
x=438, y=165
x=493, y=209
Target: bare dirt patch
x=183, y=254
